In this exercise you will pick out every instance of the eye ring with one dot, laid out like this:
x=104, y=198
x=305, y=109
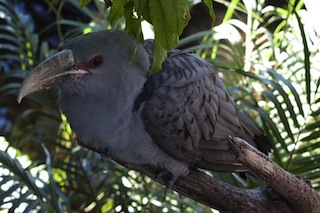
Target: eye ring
x=96, y=61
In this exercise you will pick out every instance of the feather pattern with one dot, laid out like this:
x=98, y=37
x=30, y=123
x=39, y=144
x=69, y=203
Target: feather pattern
x=189, y=114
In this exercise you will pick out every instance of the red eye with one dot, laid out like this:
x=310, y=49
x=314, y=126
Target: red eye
x=96, y=61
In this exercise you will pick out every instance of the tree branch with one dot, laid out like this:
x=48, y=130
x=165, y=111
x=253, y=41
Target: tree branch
x=294, y=190
x=288, y=193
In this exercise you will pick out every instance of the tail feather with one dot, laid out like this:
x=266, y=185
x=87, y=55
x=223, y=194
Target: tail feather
x=254, y=135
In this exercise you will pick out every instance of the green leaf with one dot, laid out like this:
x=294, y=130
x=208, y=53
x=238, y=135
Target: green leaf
x=32, y=206
x=277, y=87
x=312, y=136
x=305, y=164
x=278, y=77
x=84, y=2
x=11, y=48
x=208, y=3
x=306, y=167
x=133, y=24
x=270, y=127
x=117, y=10
x=7, y=193
x=230, y=12
x=307, y=147
x=23, y=175
x=142, y=8
x=159, y=56
x=53, y=187
x=281, y=113
x=317, y=88
x=316, y=113
x=168, y=19
x=312, y=126
x=85, y=10
x=306, y=57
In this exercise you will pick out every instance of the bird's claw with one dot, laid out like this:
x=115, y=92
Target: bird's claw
x=170, y=183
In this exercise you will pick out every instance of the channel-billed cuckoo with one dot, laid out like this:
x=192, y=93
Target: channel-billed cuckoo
x=178, y=118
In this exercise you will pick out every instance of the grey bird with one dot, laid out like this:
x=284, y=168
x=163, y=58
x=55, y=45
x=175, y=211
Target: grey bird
x=178, y=118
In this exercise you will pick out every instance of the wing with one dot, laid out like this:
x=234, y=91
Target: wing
x=189, y=114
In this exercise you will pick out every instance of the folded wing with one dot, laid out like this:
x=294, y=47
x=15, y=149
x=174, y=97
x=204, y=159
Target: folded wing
x=189, y=114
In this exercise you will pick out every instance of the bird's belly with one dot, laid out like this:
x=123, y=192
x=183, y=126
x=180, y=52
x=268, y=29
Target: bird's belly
x=123, y=136
x=132, y=144
x=118, y=139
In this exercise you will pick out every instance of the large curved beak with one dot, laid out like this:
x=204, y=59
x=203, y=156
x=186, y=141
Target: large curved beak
x=59, y=68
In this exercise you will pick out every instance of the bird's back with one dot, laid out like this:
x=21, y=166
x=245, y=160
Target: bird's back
x=189, y=114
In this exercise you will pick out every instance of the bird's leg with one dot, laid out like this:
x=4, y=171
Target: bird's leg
x=170, y=182
x=173, y=170
x=169, y=178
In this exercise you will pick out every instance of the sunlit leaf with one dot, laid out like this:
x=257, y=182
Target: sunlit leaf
x=281, y=113
x=306, y=57
x=312, y=126
x=24, y=175
x=294, y=93
x=308, y=147
x=312, y=136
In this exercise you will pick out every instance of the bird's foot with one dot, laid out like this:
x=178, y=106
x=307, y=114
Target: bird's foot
x=171, y=178
x=165, y=175
x=169, y=184
x=172, y=170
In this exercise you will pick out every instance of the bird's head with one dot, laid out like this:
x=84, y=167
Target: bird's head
x=89, y=63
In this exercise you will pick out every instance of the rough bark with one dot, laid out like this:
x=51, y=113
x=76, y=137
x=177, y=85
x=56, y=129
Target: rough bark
x=287, y=193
